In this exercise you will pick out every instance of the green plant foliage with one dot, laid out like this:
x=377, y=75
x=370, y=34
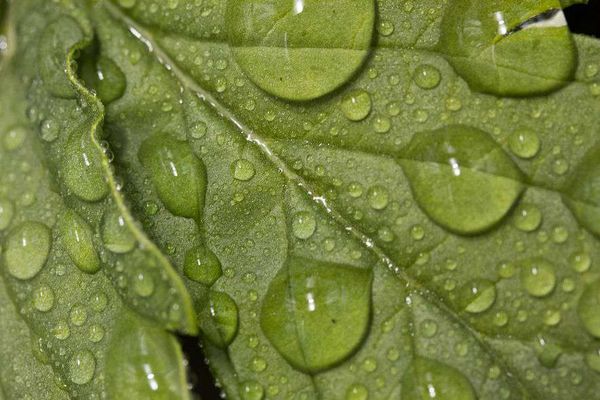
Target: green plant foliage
x=343, y=200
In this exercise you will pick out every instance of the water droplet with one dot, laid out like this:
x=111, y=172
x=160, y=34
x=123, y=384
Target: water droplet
x=78, y=315
x=82, y=367
x=81, y=168
x=356, y=105
x=319, y=297
x=500, y=318
x=506, y=270
x=116, y=235
x=369, y=364
x=538, y=277
x=587, y=308
x=508, y=53
x=49, y=130
x=219, y=319
x=14, y=138
x=95, y=333
x=179, y=177
x=252, y=390
x=43, y=298
x=477, y=296
x=430, y=379
x=355, y=189
x=461, y=178
x=357, y=392
x=300, y=50
x=524, y=143
x=258, y=364
x=527, y=217
x=386, y=28
x=76, y=236
x=61, y=330
x=378, y=197
x=592, y=359
x=427, y=76
x=26, y=249
x=143, y=284
x=382, y=124
x=304, y=224
x=202, y=265
x=428, y=328
x=583, y=193
x=243, y=170
x=7, y=211
x=99, y=301
x=417, y=232
x=581, y=262
x=105, y=77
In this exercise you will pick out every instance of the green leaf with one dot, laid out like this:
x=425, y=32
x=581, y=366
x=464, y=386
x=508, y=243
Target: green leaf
x=376, y=221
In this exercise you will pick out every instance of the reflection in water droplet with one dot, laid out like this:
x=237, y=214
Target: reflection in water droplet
x=300, y=53
x=430, y=379
x=26, y=249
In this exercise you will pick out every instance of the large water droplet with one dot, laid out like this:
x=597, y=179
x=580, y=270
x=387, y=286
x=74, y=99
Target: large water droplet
x=76, y=235
x=82, y=367
x=26, y=249
x=116, y=235
x=307, y=298
x=300, y=50
x=583, y=193
x=587, y=309
x=527, y=217
x=178, y=175
x=105, y=77
x=461, y=178
x=430, y=379
x=356, y=105
x=219, y=319
x=202, y=265
x=357, y=392
x=499, y=47
x=538, y=277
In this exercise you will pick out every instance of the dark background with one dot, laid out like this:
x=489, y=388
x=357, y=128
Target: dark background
x=584, y=19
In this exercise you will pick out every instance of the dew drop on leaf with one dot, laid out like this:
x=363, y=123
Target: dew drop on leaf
x=219, y=319
x=430, y=379
x=116, y=235
x=304, y=224
x=243, y=170
x=427, y=76
x=14, y=138
x=43, y=298
x=78, y=315
x=509, y=53
x=356, y=105
x=461, y=178
x=76, y=236
x=202, y=265
x=581, y=262
x=179, y=177
x=82, y=366
x=7, y=210
x=26, y=249
x=538, y=277
x=252, y=390
x=357, y=392
x=477, y=296
x=143, y=284
x=95, y=333
x=587, y=308
x=527, y=217
x=300, y=50
x=592, y=359
x=378, y=197
x=524, y=143
x=105, y=77
x=317, y=297
x=61, y=330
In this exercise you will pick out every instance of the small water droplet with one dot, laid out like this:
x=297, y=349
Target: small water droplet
x=427, y=76
x=252, y=390
x=430, y=379
x=538, y=277
x=587, y=308
x=7, y=211
x=43, y=298
x=78, y=315
x=116, y=234
x=378, y=197
x=527, y=217
x=357, y=392
x=477, y=296
x=243, y=170
x=524, y=143
x=143, y=284
x=428, y=328
x=26, y=249
x=82, y=367
x=304, y=224
x=14, y=138
x=202, y=265
x=356, y=105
